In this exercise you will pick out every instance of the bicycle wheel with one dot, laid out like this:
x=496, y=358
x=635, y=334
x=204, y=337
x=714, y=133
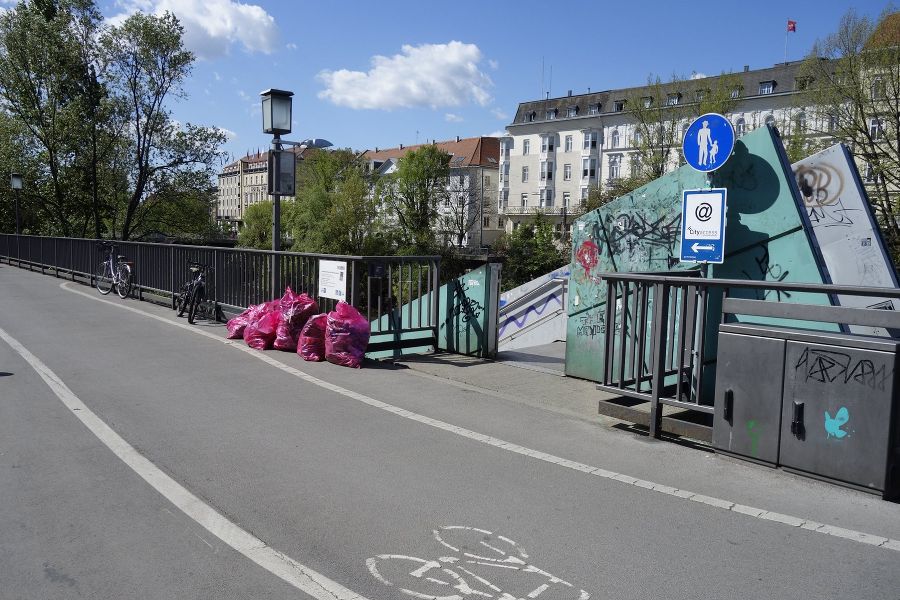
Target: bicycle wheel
x=104, y=278
x=184, y=298
x=196, y=299
x=123, y=285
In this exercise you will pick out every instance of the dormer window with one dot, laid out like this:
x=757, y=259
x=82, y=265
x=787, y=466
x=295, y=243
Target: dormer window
x=735, y=93
x=647, y=101
x=550, y=114
x=595, y=109
x=619, y=105
x=530, y=117
x=766, y=87
x=673, y=99
x=572, y=111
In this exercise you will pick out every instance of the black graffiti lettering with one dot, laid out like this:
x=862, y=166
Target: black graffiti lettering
x=630, y=231
x=824, y=366
x=767, y=271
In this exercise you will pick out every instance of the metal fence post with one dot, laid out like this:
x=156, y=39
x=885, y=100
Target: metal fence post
x=172, y=274
x=658, y=354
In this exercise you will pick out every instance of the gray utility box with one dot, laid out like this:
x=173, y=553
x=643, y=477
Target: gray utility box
x=814, y=402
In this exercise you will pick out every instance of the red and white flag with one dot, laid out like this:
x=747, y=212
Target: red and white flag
x=792, y=25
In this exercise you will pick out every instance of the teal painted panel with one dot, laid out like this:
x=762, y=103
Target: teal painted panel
x=640, y=232
x=464, y=312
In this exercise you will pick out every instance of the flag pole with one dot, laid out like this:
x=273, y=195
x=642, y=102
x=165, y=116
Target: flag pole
x=786, y=32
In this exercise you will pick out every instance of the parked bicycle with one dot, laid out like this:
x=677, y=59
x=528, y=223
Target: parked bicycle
x=114, y=271
x=483, y=564
x=193, y=293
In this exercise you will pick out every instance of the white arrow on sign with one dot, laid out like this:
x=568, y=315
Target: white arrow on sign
x=696, y=246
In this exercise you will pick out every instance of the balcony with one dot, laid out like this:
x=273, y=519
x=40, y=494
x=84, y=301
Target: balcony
x=530, y=210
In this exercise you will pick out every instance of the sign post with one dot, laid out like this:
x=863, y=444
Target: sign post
x=703, y=225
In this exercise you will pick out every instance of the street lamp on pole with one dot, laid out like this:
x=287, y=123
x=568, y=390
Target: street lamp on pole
x=15, y=182
x=277, y=114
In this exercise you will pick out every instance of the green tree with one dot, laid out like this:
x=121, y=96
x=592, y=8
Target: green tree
x=853, y=84
x=149, y=65
x=531, y=250
x=413, y=193
x=257, y=229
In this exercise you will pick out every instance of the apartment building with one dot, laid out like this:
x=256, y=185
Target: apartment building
x=243, y=183
x=468, y=217
x=557, y=149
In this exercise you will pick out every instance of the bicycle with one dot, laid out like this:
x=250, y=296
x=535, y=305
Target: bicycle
x=456, y=577
x=113, y=271
x=193, y=292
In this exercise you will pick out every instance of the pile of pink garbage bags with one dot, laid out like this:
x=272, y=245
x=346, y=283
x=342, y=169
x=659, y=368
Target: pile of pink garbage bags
x=293, y=325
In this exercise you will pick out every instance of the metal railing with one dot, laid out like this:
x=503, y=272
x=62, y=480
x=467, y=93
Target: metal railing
x=661, y=328
x=376, y=285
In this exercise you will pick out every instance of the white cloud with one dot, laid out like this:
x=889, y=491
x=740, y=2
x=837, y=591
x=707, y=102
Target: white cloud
x=430, y=75
x=211, y=27
x=498, y=133
x=217, y=76
x=229, y=134
x=499, y=114
x=452, y=118
x=291, y=46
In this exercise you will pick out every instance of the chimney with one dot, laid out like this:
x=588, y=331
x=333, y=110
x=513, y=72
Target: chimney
x=746, y=68
x=457, y=138
x=589, y=90
x=376, y=148
x=570, y=93
x=401, y=146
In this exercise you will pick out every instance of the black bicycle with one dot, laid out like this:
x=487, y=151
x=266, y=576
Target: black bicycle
x=193, y=293
x=113, y=271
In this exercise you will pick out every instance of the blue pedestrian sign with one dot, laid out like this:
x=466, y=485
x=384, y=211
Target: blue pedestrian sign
x=703, y=226
x=708, y=142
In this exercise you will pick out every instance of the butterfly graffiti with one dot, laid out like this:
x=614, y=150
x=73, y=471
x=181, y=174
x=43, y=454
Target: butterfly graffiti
x=833, y=424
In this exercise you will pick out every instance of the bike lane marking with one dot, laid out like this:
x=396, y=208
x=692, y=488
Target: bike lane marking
x=750, y=511
x=279, y=564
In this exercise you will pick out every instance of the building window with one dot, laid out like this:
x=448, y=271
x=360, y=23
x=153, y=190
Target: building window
x=673, y=99
x=572, y=111
x=551, y=114
x=501, y=222
x=524, y=174
x=530, y=117
x=568, y=146
x=526, y=147
x=801, y=122
x=547, y=143
x=876, y=129
x=567, y=199
x=615, y=165
x=766, y=87
x=524, y=199
x=735, y=93
x=770, y=120
x=635, y=161
x=546, y=170
x=546, y=197
x=486, y=222
x=614, y=138
x=595, y=109
x=584, y=193
x=647, y=101
x=590, y=140
x=740, y=127
x=832, y=122
x=588, y=168
x=699, y=95
x=870, y=173
x=878, y=88
x=637, y=136
x=567, y=172
x=619, y=105
x=504, y=199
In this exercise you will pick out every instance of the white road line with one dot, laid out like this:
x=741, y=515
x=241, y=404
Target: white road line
x=301, y=577
x=757, y=513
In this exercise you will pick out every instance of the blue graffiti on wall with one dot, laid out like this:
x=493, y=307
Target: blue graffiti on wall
x=833, y=424
x=532, y=309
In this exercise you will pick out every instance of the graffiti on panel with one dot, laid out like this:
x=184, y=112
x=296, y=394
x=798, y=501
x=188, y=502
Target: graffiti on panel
x=536, y=309
x=634, y=233
x=829, y=367
x=765, y=270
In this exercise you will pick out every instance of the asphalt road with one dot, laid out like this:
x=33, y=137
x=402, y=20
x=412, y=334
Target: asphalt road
x=334, y=481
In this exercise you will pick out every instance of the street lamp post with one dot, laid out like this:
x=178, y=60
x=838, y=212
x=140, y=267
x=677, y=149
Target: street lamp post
x=276, y=114
x=15, y=182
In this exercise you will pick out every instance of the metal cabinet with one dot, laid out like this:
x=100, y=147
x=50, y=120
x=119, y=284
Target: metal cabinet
x=818, y=403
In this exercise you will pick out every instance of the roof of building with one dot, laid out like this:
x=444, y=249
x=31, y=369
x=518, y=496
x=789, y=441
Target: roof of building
x=467, y=152
x=783, y=74
x=258, y=157
x=887, y=34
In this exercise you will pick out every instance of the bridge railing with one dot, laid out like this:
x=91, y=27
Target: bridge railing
x=375, y=285
x=659, y=344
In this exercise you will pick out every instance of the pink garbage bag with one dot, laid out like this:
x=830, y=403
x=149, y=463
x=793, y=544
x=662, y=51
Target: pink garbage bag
x=346, y=336
x=237, y=324
x=260, y=334
x=296, y=309
x=311, y=345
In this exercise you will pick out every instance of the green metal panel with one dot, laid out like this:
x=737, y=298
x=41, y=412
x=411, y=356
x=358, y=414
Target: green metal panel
x=765, y=240
x=464, y=311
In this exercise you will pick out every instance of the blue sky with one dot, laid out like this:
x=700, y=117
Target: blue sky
x=381, y=74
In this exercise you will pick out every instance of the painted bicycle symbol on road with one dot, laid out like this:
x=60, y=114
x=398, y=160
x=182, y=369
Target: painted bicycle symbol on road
x=483, y=565
x=704, y=211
